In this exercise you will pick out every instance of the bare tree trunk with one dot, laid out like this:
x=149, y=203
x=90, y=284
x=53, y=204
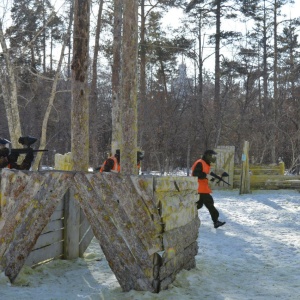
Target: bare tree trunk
x=217, y=103
x=116, y=76
x=275, y=106
x=199, y=99
x=94, y=114
x=69, y=43
x=10, y=96
x=80, y=97
x=129, y=88
x=44, y=39
x=265, y=69
x=142, y=90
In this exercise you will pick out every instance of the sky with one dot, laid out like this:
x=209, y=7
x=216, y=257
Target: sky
x=173, y=17
x=254, y=256
x=292, y=10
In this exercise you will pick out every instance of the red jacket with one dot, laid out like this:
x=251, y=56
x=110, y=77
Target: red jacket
x=203, y=186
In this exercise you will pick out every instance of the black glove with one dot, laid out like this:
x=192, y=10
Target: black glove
x=12, y=158
x=29, y=156
x=4, y=152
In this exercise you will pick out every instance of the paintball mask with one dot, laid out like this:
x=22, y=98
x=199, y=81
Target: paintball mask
x=140, y=156
x=210, y=156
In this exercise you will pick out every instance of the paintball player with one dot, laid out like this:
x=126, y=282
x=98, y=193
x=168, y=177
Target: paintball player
x=139, y=158
x=9, y=160
x=201, y=168
x=112, y=164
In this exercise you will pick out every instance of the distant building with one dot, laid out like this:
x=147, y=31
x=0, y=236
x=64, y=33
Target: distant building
x=182, y=85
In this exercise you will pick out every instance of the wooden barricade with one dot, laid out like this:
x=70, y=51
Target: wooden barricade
x=175, y=197
x=224, y=163
x=268, y=177
x=147, y=227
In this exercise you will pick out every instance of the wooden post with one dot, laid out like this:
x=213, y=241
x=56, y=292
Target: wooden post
x=281, y=167
x=245, y=176
x=72, y=222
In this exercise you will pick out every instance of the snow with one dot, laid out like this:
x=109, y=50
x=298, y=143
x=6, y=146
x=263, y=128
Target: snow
x=255, y=255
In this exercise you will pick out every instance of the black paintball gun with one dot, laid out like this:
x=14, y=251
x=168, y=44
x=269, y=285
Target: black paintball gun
x=220, y=178
x=26, y=141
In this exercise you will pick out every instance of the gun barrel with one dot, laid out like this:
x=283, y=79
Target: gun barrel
x=219, y=178
x=25, y=150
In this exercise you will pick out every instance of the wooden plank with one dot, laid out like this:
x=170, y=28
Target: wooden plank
x=176, y=240
x=175, y=184
x=53, y=226
x=171, y=267
x=121, y=259
x=85, y=241
x=122, y=216
x=43, y=254
x=72, y=220
x=57, y=215
x=82, y=216
x=9, y=194
x=178, y=218
x=84, y=226
x=48, y=239
x=171, y=201
x=132, y=207
x=61, y=204
x=185, y=198
x=35, y=206
x=13, y=220
x=144, y=187
x=177, y=208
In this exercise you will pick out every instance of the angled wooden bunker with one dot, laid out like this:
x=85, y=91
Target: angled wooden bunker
x=147, y=227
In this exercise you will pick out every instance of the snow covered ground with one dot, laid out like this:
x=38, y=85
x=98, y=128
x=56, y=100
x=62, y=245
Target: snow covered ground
x=256, y=255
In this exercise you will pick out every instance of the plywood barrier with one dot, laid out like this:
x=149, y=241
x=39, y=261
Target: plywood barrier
x=147, y=227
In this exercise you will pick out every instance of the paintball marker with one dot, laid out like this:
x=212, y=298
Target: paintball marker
x=26, y=141
x=220, y=178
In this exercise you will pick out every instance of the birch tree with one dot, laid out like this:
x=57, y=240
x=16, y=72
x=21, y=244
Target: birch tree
x=9, y=92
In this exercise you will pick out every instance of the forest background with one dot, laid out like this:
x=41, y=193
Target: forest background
x=202, y=83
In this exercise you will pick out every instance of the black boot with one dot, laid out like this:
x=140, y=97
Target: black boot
x=218, y=224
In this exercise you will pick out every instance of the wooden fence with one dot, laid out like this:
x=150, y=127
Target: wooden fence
x=147, y=227
x=267, y=177
x=66, y=236
x=253, y=176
